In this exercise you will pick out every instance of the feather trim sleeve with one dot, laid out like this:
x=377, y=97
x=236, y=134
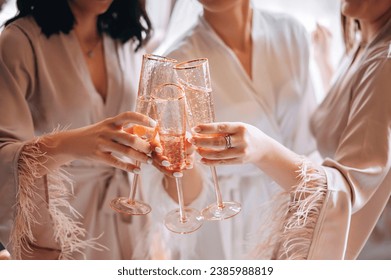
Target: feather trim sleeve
x=68, y=234
x=290, y=218
x=304, y=210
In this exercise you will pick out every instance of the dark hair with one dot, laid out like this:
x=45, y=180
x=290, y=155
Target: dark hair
x=124, y=20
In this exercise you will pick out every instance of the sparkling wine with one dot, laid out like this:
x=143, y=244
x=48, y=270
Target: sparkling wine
x=144, y=106
x=174, y=149
x=199, y=107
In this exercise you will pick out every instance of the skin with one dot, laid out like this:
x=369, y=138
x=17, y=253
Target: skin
x=249, y=144
x=371, y=14
x=231, y=20
x=86, y=13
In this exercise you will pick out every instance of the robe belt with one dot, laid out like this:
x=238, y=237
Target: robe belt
x=116, y=182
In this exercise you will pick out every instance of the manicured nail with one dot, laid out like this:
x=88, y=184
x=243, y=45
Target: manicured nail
x=197, y=129
x=152, y=123
x=158, y=150
x=166, y=163
x=149, y=161
x=137, y=171
x=177, y=174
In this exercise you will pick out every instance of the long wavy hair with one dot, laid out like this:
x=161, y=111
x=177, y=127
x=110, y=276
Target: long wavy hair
x=124, y=20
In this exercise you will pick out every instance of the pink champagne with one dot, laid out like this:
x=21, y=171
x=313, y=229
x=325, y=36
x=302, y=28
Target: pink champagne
x=174, y=149
x=199, y=106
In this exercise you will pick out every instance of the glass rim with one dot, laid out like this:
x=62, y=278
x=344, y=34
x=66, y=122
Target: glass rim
x=157, y=98
x=159, y=58
x=181, y=65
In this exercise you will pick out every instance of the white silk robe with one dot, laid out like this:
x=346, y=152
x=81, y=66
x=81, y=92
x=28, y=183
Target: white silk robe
x=278, y=100
x=44, y=85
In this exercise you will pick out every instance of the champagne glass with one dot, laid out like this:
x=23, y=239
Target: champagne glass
x=194, y=77
x=169, y=103
x=155, y=71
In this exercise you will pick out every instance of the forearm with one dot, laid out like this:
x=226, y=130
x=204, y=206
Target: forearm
x=279, y=163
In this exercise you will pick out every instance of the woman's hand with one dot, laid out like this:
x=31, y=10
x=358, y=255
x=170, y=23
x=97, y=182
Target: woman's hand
x=321, y=42
x=163, y=165
x=229, y=143
x=106, y=142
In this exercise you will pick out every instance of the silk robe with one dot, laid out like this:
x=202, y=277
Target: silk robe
x=45, y=85
x=352, y=129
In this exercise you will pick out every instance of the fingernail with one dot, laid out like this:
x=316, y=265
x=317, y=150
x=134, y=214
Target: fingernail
x=137, y=171
x=149, y=161
x=158, y=150
x=197, y=129
x=177, y=174
x=166, y=163
x=152, y=123
x=192, y=141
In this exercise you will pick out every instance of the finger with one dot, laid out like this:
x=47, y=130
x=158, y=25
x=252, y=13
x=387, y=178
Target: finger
x=315, y=36
x=215, y=142
x=189, y=147
x=133, y=141
x=160, y=160
x=111, y=160
x=218, y=128
x=164, y=170
x=155, y=145
x=224, y=154
x=110, y=146
x=325, y=31
x=128, y=117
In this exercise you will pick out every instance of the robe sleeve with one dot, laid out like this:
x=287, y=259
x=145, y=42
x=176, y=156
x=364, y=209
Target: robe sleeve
x=16, y=125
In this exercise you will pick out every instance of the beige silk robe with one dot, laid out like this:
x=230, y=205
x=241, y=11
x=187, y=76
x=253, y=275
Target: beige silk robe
x=45, y=85
x=352, y=127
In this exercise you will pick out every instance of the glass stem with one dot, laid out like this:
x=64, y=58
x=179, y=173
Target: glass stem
x=132, y=194
x=219, y=199
x=182, y=214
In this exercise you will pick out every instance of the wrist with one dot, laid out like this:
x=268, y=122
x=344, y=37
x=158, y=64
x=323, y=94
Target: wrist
x=56, y=145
